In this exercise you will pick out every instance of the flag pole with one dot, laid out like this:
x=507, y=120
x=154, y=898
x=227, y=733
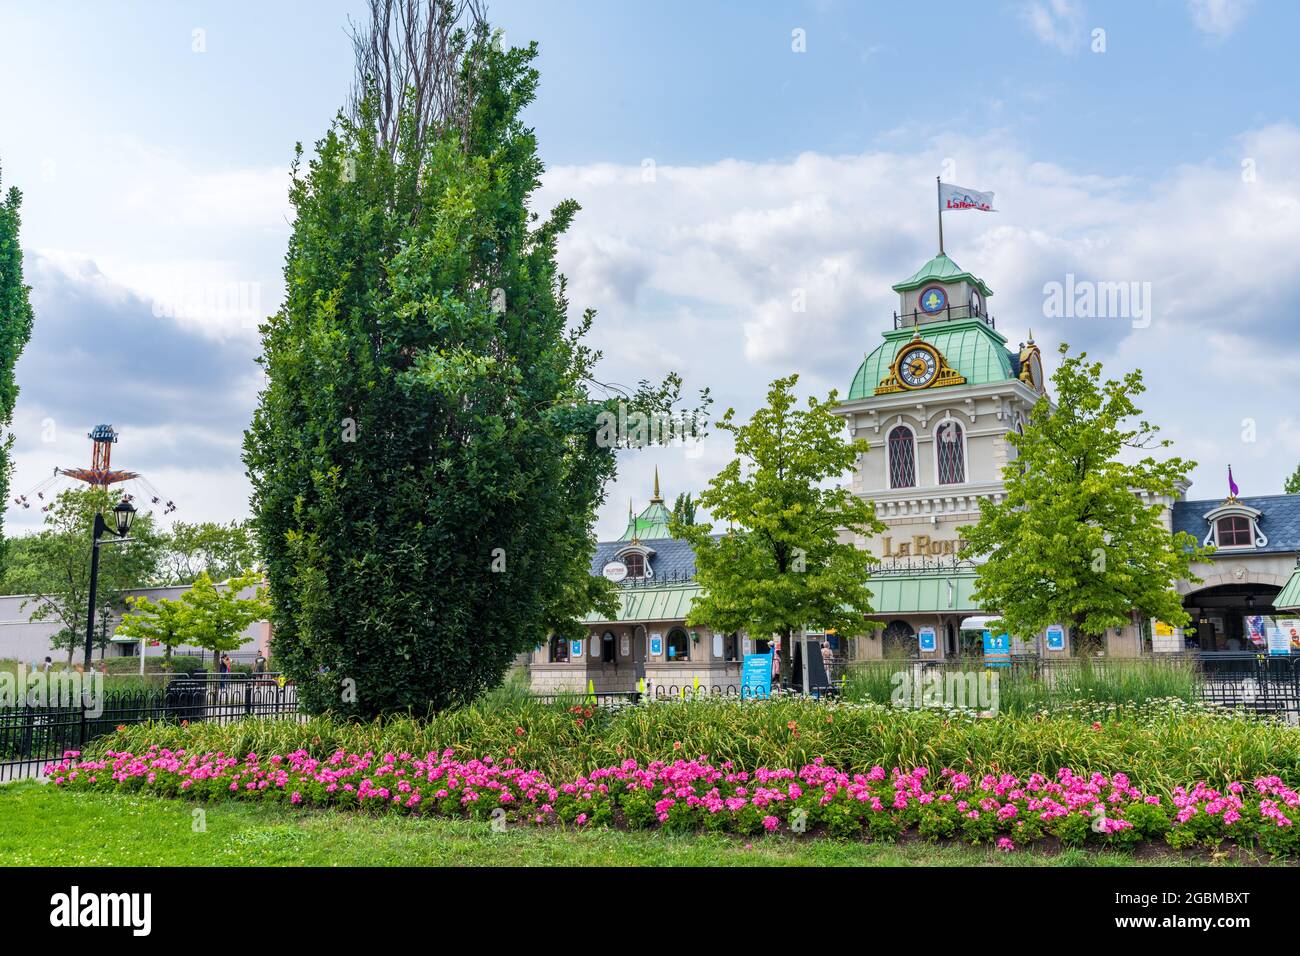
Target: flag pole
x=938, y=195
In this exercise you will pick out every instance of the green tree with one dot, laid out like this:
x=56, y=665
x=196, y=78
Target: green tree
x=53, y=566
x=783, y=564
x=220, y=550
x=167, y=621
x=15, y=330
x=1077, y=539
x=215, y=617
x=424, y=458
x=1292, y=486
x=684, y=508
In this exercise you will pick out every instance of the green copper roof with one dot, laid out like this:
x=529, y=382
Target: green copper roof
x=649, y=524
x=665, y=602
x=972, y=348
x=940, y=269
x=923, y=592
x=1289, y=598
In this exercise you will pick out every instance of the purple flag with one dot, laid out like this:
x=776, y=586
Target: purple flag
x=1232, y=485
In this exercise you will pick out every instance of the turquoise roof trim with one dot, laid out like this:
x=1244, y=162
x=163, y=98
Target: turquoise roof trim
x=666, y=602
x=976, y=351
x=923, y=593
x=649, y=525
x=1289, y=598
x=940, y=269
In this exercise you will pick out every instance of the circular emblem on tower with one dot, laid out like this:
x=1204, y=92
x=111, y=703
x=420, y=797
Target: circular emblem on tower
x=932, y=299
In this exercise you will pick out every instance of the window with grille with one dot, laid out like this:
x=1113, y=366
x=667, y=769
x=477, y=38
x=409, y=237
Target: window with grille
x=902, y=458
x=635, y=562
x=1234, y=532
x=952, y=460
x=678, y=645
x=559, y=650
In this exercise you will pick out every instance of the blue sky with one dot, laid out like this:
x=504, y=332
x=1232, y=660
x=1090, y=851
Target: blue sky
x=152, y=140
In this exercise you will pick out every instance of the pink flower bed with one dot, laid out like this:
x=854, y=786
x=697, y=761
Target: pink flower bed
x=1003, y=810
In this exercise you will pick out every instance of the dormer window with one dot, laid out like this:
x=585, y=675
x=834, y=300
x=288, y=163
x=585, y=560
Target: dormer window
x=1233, y=532
x=635, y=562
x=1234, y=525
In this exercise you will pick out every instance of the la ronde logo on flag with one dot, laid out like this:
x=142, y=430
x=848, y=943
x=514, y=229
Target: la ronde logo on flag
x=952, y=198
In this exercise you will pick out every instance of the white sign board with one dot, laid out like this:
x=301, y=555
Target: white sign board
x=615, y=571
x=1165, y=638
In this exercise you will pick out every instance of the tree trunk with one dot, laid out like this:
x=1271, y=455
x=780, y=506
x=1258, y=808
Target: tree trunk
x=787, y=671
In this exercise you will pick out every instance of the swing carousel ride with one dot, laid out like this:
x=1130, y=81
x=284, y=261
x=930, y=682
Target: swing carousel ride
x=100, y=474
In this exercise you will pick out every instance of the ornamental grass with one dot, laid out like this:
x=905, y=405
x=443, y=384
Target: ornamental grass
x=1160, y=745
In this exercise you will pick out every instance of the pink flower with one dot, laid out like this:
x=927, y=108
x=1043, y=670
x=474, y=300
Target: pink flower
x=1005, y=844
x=770, y=823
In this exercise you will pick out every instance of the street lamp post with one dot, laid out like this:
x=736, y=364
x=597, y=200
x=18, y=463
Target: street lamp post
x=123, y=515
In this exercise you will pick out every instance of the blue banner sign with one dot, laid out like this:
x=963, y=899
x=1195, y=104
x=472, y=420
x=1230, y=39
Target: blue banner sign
x=997, y=650
x=1056, y=638
x=926, y=638
x=756, y=676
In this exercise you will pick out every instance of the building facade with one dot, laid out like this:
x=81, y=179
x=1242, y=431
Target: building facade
x=935, y=400
x=28, y=641
x=648, y=642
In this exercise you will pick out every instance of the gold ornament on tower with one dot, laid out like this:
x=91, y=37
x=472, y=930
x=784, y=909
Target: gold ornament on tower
x=918, y=365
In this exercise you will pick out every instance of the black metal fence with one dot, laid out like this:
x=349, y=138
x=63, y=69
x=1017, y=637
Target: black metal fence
x=33, y=735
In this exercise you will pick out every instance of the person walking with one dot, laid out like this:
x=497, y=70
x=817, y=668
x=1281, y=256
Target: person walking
x=259, y=664
x=828, y=661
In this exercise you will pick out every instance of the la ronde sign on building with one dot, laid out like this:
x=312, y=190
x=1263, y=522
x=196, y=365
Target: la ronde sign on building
x=615, y=571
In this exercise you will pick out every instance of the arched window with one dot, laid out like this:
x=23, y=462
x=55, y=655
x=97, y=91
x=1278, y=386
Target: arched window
x=950, y=453
x=899, y=640
x=559, y=650
x=635, y=562
x=1234, y=532
x=678, y=645
x=902, y=458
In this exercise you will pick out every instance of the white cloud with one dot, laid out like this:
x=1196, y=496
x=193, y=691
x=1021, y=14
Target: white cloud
x=1218, y=18
x=723, y=247
x=1056, y=23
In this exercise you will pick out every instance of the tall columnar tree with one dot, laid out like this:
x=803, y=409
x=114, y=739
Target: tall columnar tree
x=15, y=328
x=425, y=458
x=1079, y=538
x=787, y=559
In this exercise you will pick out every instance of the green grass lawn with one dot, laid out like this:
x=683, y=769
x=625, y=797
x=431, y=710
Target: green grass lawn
x=44, y=827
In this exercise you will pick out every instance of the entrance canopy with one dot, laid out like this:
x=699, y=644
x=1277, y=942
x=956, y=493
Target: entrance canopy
x=1289, y=598
x=933, y=592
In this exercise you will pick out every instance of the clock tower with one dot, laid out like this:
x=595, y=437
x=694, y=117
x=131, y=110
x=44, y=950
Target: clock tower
x=935, y=400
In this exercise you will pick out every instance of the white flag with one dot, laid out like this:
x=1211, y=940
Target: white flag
x=952, y=198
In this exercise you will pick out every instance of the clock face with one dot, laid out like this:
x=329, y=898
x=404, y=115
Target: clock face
x=1036, y=371
x=932, y=299
x=917, y=367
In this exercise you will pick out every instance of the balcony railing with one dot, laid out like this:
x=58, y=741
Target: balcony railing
x=949, y=313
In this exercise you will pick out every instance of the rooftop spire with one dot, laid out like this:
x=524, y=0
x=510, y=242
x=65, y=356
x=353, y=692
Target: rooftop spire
x=656, y=500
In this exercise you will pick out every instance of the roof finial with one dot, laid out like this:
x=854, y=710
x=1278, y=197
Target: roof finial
x=656, y=500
